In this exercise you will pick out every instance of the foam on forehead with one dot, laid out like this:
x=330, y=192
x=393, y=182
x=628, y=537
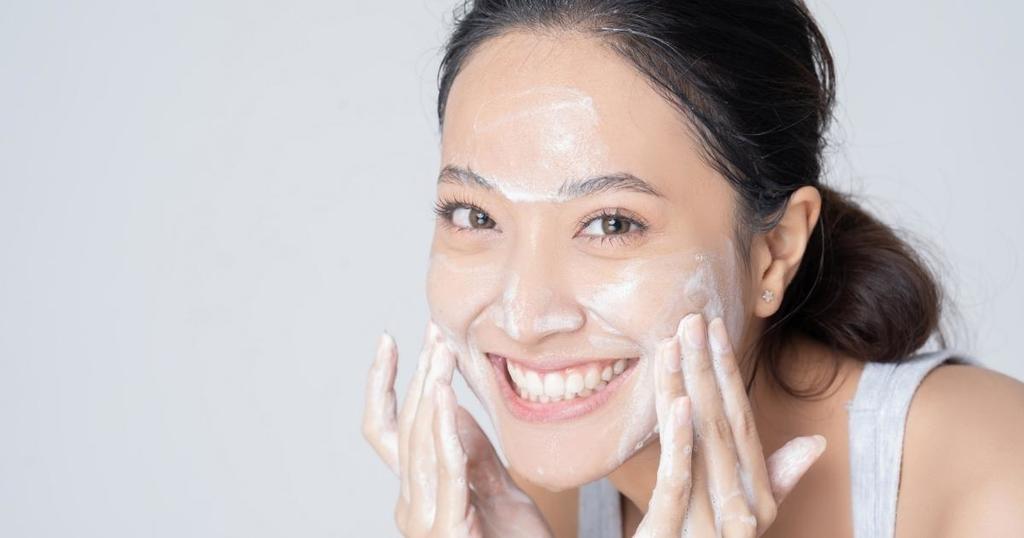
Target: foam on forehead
x=529, y=142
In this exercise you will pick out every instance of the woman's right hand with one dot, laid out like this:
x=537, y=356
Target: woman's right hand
x=452, y=482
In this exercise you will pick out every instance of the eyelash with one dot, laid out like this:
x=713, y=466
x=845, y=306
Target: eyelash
x=444, y=208
x=637, y=226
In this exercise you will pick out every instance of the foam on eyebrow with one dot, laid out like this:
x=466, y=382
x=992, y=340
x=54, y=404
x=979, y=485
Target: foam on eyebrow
x=563, y=121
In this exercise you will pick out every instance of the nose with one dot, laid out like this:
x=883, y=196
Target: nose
x=537, y=300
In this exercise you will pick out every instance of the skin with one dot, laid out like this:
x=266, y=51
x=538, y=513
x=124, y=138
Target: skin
x=528, y=113
x=535, y=285
x=453, y=484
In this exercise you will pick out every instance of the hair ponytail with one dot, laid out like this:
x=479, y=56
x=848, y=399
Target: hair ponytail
x=860, y=289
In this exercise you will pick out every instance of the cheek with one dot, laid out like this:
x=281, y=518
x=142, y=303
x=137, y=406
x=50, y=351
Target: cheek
x=457, y=291
x=644, y=300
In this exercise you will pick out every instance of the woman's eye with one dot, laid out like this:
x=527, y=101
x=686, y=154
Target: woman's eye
x=608, y=225
x=469, y=217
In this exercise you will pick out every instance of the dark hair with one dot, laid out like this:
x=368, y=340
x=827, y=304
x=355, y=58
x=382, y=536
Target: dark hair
x=755, y=82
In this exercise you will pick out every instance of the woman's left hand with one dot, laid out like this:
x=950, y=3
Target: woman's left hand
x=728, y=488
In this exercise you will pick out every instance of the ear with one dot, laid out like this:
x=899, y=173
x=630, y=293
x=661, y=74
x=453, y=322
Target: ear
x=779, y=250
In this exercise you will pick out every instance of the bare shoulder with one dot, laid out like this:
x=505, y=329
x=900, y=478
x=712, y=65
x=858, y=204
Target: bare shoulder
x=962, y=456
x=971, y=409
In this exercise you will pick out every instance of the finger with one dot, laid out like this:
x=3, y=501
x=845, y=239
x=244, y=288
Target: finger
x=380, y=425
x=422, y=458
x=712, y=431
x=754, y=473
x=700, y=513
x=411, y=404
x=667, y=509
x=486, y=473
x=452, y=487
x=787, y=465
x=668, y=378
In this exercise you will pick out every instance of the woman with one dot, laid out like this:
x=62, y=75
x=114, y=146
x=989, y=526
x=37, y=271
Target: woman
x=665, y=312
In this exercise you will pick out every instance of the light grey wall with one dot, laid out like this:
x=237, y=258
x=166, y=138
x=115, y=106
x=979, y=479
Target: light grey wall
x=209, y=211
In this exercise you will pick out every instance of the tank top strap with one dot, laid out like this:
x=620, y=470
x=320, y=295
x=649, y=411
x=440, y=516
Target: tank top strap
x=599, y=512
x=877, y=418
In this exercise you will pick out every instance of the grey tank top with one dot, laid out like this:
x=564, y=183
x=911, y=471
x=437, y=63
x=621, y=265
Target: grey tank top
x=877, y=414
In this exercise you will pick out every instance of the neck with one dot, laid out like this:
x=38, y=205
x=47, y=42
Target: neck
x=636, y=478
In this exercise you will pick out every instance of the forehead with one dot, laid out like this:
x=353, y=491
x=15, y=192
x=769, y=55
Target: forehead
x=541, y=109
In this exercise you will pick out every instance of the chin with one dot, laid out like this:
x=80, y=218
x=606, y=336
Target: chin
x=572, y=423
x=557, y=483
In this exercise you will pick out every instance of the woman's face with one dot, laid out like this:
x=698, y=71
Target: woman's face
x=578, y=226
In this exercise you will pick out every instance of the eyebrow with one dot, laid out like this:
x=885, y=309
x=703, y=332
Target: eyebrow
x=619, y=181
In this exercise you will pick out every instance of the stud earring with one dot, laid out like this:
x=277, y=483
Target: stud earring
x=768, y=296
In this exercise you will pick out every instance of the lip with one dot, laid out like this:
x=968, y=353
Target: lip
x=554, y=411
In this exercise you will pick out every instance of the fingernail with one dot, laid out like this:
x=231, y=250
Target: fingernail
x=821, y=441
x=427, y=333
x=448, y=363
x=426, y=363
x=809, y=446
x=436, y=363
x=717, y=336
x=382, y=348
x=694, y=331
x=681, y=328
x=385, y=341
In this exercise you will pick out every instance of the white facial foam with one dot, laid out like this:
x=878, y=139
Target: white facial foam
x=562, y=125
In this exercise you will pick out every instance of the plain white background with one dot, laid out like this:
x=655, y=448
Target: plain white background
x=210, y=210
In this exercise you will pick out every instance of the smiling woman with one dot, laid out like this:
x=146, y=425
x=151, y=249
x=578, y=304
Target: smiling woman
x=614, y=176
x=572, y=275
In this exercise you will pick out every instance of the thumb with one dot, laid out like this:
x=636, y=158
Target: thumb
x=484, y=470
x=788, y=464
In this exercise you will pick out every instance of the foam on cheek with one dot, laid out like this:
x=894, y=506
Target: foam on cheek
x=457, y=326
x=725, y=294
x=638, y=308
x=475, y=368
x=694, y=286
x=640, y=418
x=725, y=300
x=507, y=316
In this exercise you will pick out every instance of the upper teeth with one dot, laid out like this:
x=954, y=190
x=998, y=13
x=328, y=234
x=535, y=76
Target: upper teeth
x=564, y=385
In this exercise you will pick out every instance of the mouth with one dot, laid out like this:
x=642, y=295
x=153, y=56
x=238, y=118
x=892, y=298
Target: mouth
x=536, y=395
